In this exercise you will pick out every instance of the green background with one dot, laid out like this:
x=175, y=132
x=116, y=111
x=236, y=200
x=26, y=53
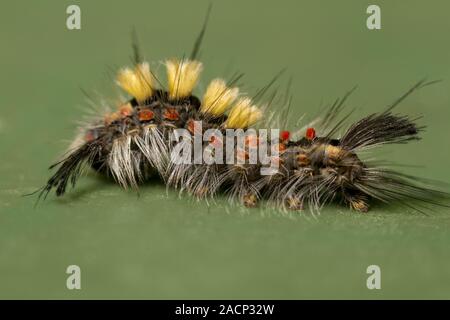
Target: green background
x=161, y=246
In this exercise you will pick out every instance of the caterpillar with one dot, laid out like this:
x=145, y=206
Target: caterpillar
x=135, y=142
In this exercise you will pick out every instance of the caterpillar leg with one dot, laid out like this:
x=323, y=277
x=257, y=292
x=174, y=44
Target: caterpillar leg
x=250, y=200
x=294, y=203
x=200, y=192
x=357, y=201
x=244, y=187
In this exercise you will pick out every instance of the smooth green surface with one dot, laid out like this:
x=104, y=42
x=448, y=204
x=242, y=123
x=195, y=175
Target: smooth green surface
x=161, y=246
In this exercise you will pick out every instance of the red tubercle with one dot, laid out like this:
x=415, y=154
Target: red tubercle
x=310, y=133
x=285, y=135
x=145, y=115
x=171, y=114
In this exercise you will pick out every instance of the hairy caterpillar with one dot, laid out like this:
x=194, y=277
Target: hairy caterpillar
x=134, y=142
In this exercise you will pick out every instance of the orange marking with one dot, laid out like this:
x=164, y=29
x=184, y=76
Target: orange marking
x=242, y=155
x=303, y=160
x=276, y=160
x=145, y=115
x=251, y=141
x=126, y=110
x=89, y=136
x=192, y=127
x=171, y=114
x=110, y=118
x=215, y=141
x=280, y=146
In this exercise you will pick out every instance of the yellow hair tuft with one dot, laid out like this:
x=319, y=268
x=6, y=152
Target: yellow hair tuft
x=182, y=77
x=138, y=82
x=243, y=114
x=218, y=97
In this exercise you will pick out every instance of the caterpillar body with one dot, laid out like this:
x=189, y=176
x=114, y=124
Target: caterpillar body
x=134, y=142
